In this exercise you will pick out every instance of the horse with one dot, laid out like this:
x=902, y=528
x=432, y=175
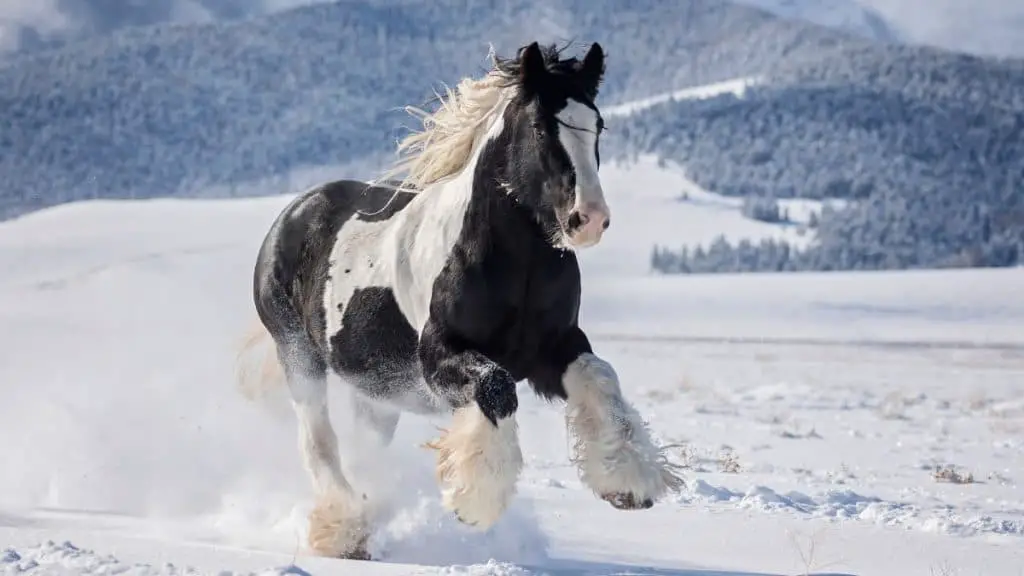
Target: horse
x=438, y=292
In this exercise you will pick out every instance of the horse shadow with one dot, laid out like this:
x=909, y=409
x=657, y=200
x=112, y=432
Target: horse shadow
x=572, y=567
x=421, y=532
x=567, y=567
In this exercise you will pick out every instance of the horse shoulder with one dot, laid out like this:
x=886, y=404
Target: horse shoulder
x=422, y=243
x=356, y=261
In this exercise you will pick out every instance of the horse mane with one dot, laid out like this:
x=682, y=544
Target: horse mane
x=444, y=144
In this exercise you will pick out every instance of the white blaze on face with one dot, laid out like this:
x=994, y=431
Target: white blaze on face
x=577, y=131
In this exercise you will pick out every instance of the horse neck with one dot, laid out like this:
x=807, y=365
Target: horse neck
x=497, y=220
x=449, y=199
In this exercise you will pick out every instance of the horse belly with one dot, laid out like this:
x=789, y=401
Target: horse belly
x=376, y=350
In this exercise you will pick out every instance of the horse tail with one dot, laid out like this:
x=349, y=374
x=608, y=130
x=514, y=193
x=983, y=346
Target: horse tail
x=258, y=368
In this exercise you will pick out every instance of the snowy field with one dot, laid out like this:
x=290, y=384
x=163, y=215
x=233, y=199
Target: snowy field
x=831, y=423
x=660, y=205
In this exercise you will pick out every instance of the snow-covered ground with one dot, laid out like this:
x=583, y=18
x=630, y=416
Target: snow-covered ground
x=653, y=204
x=816, y=412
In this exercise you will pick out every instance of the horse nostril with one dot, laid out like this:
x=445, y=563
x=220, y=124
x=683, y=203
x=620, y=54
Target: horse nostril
x=607, y=223
x=575, y=220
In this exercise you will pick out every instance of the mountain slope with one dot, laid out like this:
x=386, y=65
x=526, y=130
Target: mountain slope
x=165, y=110
x=987, y=27
x=981, y=27
x=928, y=141
x=28, y=26
x=152, y=111
x=850, y=15
x=929, y=145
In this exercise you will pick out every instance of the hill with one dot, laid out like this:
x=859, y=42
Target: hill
x=982, y=27
x=926, y=143
x=163, y=110
x=855, y=16
x=925, y=147
x=28, y=26
x=168, y=110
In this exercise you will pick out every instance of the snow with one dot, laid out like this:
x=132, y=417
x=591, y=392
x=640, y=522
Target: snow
x=736, y=86
x=815, y=412
x=654, y=204
x=914, y=308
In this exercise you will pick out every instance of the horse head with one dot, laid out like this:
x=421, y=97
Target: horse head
x=555, y=126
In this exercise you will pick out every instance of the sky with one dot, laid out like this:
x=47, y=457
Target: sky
x=979, y=26
x=42, y=15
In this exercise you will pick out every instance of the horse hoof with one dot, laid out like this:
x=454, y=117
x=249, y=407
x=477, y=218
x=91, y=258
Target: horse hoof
x=627, y=501
x=464, y=521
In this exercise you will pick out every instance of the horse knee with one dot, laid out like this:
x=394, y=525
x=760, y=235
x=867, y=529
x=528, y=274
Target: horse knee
x=495, y=394
x=612, y=448
x=478, y=465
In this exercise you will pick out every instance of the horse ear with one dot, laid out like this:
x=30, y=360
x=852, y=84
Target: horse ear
x=592, y=70
x=531, y=64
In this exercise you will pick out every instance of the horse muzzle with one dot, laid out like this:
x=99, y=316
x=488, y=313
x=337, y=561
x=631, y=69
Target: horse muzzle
x=587, y=223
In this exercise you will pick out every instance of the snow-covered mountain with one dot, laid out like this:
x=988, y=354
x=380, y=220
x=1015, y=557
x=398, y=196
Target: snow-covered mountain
x=925, y=148
x=927, y=142
x=174, y=109
x=989, y=27
x=982, y=27
x=851, y=15
x=31, y=25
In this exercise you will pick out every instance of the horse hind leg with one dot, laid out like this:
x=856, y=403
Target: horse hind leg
x=337, y=523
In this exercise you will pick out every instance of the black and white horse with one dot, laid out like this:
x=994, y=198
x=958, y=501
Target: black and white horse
x=437, y=294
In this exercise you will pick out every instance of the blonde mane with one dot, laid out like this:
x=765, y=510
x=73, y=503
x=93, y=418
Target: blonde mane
x=443, y=146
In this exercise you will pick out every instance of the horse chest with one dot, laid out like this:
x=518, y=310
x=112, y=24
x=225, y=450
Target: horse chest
x=513, y=313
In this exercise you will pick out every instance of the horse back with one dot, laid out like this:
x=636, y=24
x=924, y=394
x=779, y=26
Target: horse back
x=293, y=262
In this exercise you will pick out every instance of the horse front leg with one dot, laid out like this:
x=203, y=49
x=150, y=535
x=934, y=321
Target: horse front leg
x=478, y=456
x=612, y=448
